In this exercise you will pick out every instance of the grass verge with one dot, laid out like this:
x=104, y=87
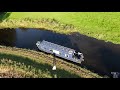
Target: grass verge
x=23, y=63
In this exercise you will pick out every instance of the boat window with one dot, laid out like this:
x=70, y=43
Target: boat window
x=66, y=55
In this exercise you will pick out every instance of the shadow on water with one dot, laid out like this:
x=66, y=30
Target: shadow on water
x=4, y=15
x=7, y=37
x=100, y=57
x=59, y=73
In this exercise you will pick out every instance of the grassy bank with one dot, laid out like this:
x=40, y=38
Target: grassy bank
x=16, y=62
x=101, y=25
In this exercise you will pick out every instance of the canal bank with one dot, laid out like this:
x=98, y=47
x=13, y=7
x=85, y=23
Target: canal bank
x=99, y=56
x=30, y=63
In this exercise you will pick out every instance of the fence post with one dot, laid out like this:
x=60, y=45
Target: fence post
x=54, y=62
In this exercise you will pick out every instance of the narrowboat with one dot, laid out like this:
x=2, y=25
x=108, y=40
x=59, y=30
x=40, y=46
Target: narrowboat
x=60, y=51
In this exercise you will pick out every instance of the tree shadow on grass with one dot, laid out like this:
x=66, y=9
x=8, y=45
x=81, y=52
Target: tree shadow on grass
x=60, y=73
x=4, y=15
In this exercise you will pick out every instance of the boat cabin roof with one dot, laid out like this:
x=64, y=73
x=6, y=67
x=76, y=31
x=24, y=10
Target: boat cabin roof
x=55, y=46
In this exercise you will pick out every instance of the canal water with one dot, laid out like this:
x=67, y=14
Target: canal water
x=100, y=57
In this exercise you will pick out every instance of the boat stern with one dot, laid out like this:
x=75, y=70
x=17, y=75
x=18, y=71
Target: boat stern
x=38, y=43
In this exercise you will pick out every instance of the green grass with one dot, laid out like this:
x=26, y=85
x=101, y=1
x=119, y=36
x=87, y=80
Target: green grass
x=22, y=63
x=101, y=25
